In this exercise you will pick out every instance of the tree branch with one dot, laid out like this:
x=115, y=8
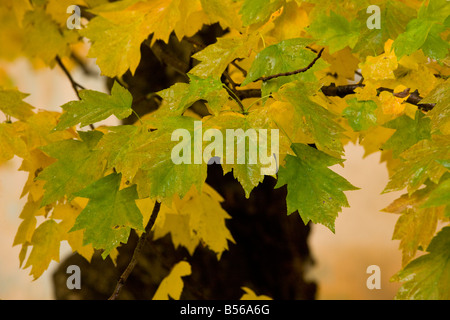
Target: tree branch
x=285, y=74
x=75, y=85
x=137, y=252
x=345, y=90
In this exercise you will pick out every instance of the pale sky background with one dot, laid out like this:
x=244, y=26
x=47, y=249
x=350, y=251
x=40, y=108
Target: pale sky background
x=363, y=233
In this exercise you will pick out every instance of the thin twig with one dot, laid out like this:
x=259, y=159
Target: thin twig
x=75, y=85
x=285, y=74
x=244, y=72
x=137, y=251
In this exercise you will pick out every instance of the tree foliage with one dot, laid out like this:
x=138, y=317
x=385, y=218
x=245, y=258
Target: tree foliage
x=311, y=69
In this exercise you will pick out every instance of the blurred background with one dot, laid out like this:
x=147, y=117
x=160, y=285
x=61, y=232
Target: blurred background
x=363, y=233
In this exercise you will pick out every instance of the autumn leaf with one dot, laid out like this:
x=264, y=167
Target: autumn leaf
x=78, y=166
x=426, y=278
x=408, y=132
x=334, y=31
x=172, y=286
x=420, y=163
x=45, y=242
x=96, y=106
x=315, y=191
x=316, y=121
x=360, y=114
x=12, y=104
x=109, y=215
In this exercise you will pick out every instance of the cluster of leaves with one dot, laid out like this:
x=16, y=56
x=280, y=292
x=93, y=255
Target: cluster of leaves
x=91, y=187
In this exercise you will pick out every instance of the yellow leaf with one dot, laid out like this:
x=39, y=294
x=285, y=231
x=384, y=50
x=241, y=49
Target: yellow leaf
x=290, y=23
x=10, y=143
x=45, y=242
x=68, y=213
x=172, y=286
x=251, y=295
x=57, y=9
x=416, y=226
x=381, y=67
x=34, y=164
x=195, y=218
x=391, y=104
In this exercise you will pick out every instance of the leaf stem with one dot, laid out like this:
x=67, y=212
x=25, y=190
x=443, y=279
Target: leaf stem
x=235, y=98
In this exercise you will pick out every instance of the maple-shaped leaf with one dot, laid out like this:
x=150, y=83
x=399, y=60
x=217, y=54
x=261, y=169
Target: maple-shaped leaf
x=334, y=31
x=78, y=166
x=440, y=114
x=424, y=32
x=314, y=190
x=223, y=11
x=67, y=213
x=12, y=104
x=110, y=214
x=243, y=151
x=360, y=114
x=120, y=28
x=46, y=243
x=172, y=286
x=40, y=29
x=255, y=11
x=10, y=143
x=417, y=225
x=215, y=58
x=96, y=106
x=421, y=163
x=179, y=97
x=196, y=218
x=394, y=16
x=312, y=118
x=286, y=56
x=441, y=195
x=408, y=132
x=172, y=157
x=426, y=278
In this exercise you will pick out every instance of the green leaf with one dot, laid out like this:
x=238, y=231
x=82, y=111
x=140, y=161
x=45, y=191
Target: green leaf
x=360, y=114
x=109, y=215
x=78, y=165
x=179, y=97
x=286, y=56
x=427, y=277
x=394, y=17
x=313, y=189
x=441, y=195
x=254, y=11
x=164, y=176
x=12, y=105
x=96, y=106
x=421, y=163
x=334, y=31
x=440, y=114
x=125, y=148
x=313, y=119
x=424, y=32
x=408, y=132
